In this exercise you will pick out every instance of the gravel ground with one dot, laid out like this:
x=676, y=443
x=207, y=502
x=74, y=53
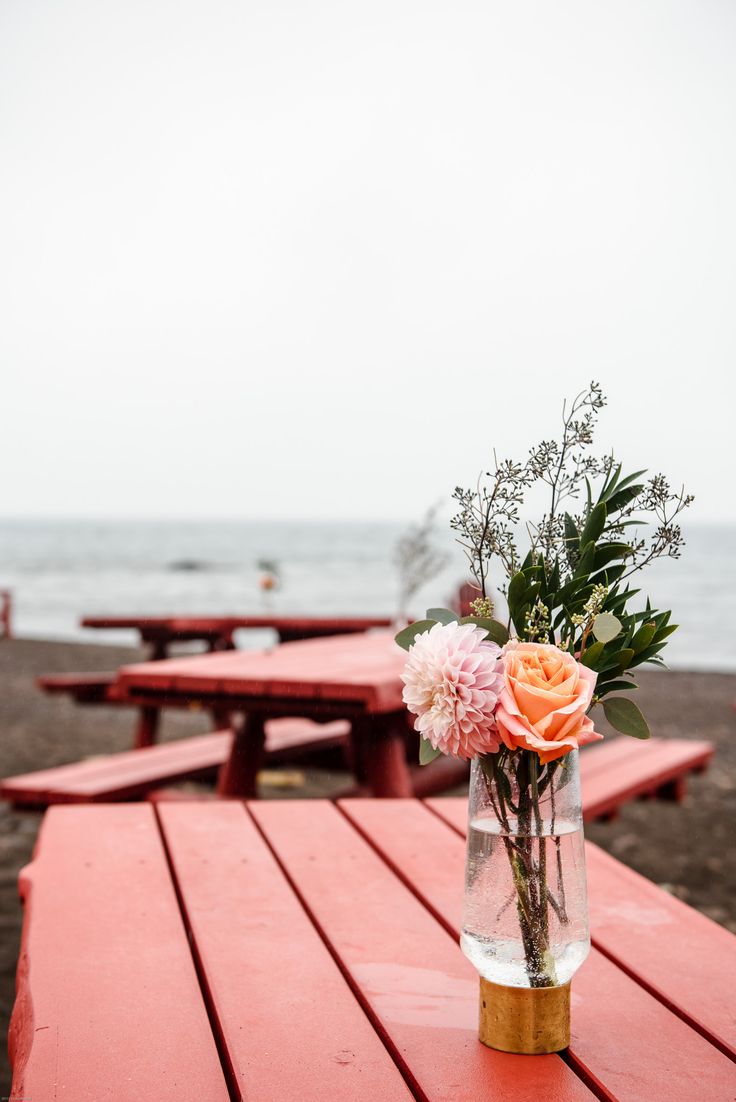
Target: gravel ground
x=687, y=848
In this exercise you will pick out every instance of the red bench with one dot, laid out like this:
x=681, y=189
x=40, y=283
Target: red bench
x=612, y=774
x=619, y=770
x=137, y=772
x=615, y=772
x=84, y=688
x=101, y=688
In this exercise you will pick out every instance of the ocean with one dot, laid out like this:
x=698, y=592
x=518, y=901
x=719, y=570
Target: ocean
x=59, y=571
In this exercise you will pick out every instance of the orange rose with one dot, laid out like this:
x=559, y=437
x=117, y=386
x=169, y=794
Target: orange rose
x=544, y=700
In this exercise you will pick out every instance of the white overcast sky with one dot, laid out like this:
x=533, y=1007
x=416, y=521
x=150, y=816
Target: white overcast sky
x=270, y=258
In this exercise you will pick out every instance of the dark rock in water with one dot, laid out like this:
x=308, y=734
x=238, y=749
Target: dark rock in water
x=188, y=564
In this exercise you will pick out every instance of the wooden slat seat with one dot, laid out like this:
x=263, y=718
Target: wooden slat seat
x=85, y=688
x=623, y=769
x=134, y=773
x=615, y=772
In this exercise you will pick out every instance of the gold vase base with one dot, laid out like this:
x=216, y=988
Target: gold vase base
x=529, y=1020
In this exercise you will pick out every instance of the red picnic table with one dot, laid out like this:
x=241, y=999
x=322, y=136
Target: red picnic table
x=353, y=677
x=159, y=632
x=299, y=950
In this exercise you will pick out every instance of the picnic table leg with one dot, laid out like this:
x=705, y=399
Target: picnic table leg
x=383, y=741
x=239, y=774
x=147, y=727
x=159, y=648
x=674, y=790
x=222, y=717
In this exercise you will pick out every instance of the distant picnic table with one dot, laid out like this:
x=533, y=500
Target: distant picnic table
x=160, y=632
x=298, y=950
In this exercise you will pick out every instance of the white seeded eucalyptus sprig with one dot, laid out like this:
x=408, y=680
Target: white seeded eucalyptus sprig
x=571, y=588
x=488, y=516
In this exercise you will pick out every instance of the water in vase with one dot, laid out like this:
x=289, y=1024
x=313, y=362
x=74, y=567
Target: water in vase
x=525, y=920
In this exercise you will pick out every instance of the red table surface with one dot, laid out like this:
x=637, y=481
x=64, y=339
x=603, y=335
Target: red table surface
x=301, y=950
x=364, y=669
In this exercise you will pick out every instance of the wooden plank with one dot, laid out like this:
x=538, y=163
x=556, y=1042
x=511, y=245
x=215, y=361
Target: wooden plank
x=415, y=984
x=453, y=810
x=108, y=1002
x=289, y=1024
x=686, y=960
x=624, y=1041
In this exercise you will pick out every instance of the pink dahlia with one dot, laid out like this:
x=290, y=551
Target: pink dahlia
x=452, y=680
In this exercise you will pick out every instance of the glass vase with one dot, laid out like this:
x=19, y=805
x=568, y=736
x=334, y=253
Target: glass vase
x=525, y=922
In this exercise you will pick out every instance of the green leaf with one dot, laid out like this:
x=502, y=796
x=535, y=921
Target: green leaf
x=517, y=589
x=648, y=653
x=591, y=655
x=625, y=717
x=518, y=597
x=607, y=552
x=495, y=631
x=630, y=478
x=610, y=483
x=644, y=636
x=527, y=561
x=622, y=498
x=624, y=659
x=572, y=536
x=606, y=627
x=607, y=493
x=616, y=686
x=595, y=524
x=427, y=752
x=442, y=615
x=586, y=561
x=407, y=635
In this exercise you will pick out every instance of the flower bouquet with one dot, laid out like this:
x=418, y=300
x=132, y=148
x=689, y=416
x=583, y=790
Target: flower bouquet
x=514, y=697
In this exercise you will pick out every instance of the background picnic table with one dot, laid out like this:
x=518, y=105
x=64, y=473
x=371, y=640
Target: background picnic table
x=354, y=677
x=160, y=632
x=312, y=954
